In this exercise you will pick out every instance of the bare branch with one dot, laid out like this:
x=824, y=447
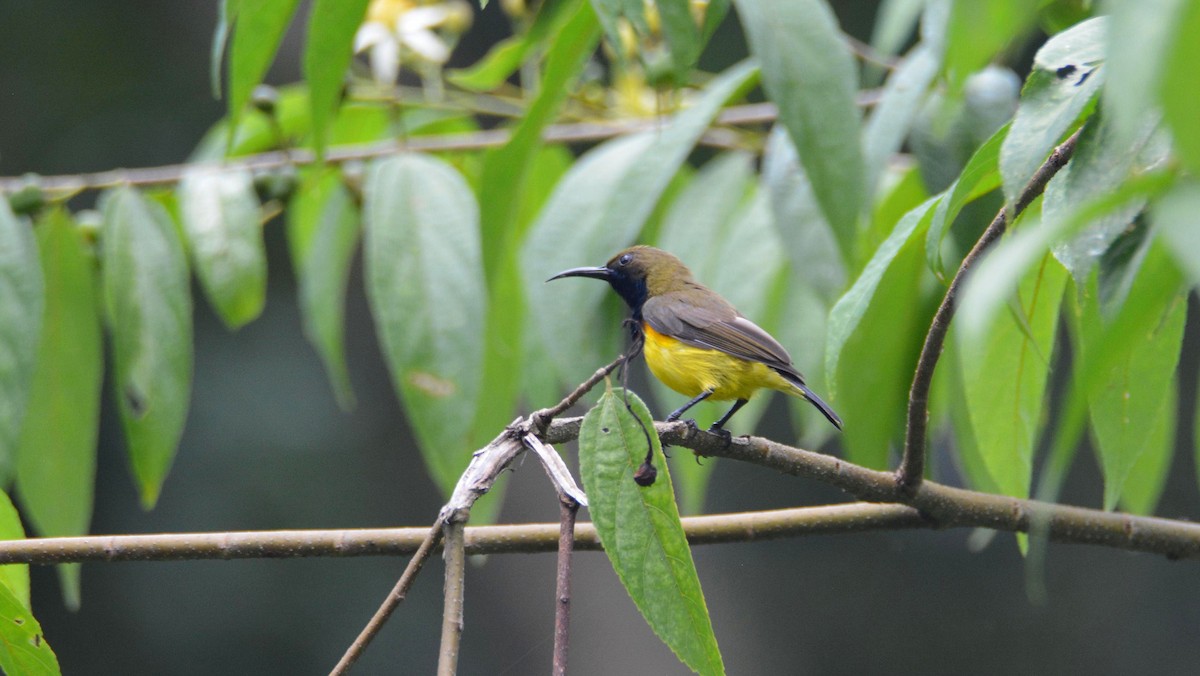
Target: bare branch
x=912, y=465
x=452, y=607
x=562, y=585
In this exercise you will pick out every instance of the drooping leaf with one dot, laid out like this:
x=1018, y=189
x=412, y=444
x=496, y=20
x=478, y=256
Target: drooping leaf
x=598, y=208
x=424, y=277
x=682, y=34
x=979, y=30
x=216, y=53
x=15, y=576
x=891, y=119
x=506, y=56
x=1004, y=378
x=1127, y=398
x=23, y=649
x=1180, y=81
x=979, y=177
x=220, y=214
x=323, y=224
x=641, y=531
x=258, y=28
x=1134, y=59
x=949, y=375
x=809, y=73
x=894, y=24
x=327, y=54
x=1175, y=216
x=148, y=310
x=56, y=461
x=21, y=301
x=1149, y=475
x=1067, y=73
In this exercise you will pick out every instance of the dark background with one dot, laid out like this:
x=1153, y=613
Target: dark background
x=96, y=85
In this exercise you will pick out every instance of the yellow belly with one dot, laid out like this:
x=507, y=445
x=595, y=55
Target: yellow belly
x=691, y=370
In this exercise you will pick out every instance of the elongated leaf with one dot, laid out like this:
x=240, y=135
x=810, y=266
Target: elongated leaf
x=894, y=24
x=503, y=59
x=148, y=310
x=810, y=242
x=21, y=302
x=599, y=207
x=1149, y=475
x=327, y=54
x=1129, y=396
x=1134, y=59
x=1067, y=73
x=23, y=650
x=1004, y=377
x=979, y=177
x=949, y=375
x=979, y=30
x=216, y=53
x=56, y=464
x=809, y=73
x=322, y=232
x=682, y=33
x=15, y=576
x=425, y=284
x=893, y=116
x=1175, y=216
x=258, y=29
x=1180, y=81
x=221, y=218
x=640, y=529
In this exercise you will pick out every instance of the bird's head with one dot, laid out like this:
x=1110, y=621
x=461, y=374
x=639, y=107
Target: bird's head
x=637, y=273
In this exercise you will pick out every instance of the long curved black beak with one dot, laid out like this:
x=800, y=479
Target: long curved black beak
x=594, y=273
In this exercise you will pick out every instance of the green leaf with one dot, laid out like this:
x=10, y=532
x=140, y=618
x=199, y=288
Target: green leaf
x=15, y=576
x=216, y=55
x=809, y=73
x=1180, y=82
x=979, y=177
x=1067, y=73
x=1175, y=216
x=220, y=214
x=979, y=30
x=893, y=116
x=599, y=207
x=148, y=310
x=503, y=59
x=1004, y=378
x=1149, y=475
x=425, y=283
x=682, y=34
x=809, y=241
x=258, y=29
x=847, y=314
x=1134, y=59
x=894, y=24
x=949, y=375
x=56, y=463
x=21, y=301
x=327, y=54
x=322, y=234
x=640, y=529
x=23, y=650
x=1127, y=398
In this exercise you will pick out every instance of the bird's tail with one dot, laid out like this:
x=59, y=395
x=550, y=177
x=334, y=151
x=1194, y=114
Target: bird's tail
x=812, y=398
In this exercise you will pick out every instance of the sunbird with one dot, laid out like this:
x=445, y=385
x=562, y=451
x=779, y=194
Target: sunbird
x=696, y=342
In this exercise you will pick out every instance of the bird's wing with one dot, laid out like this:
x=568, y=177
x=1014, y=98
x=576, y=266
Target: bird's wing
x=716, y=327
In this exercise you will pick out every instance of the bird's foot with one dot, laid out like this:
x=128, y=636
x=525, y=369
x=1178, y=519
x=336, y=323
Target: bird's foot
x=725, y=435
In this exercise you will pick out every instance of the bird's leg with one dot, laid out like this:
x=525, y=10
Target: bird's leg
x=718, y=427
x=682, y=409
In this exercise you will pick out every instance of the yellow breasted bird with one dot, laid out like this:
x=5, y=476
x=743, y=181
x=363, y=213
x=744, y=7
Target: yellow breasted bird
x=696, y=342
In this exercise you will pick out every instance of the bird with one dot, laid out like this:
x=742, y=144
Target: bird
x=695, y=341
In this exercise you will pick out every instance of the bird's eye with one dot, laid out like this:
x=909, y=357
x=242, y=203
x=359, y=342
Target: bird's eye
x=624, y=260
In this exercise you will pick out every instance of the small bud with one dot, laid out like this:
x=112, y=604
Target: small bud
x=645, y=475
x=29, y=198
x=265, y=98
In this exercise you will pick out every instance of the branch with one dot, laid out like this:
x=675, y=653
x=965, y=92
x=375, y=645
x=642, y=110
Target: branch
x=452, y=608
x=562, y=585
x=912, y=465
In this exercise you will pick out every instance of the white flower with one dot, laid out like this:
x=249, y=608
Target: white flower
x=402, y=29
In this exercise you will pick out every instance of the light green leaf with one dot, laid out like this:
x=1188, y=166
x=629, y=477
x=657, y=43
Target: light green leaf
x=56, y=463
x=1067, y=73
x=979, y=30
x=1004, y=378
x=682, y=34
x=15, y=576
x=1175, y=217
x=894, y=24
x=949, y=375
x=640, y=529
x=893, y=116
x=1134, y=59
x=503, y=59
x=1149, y=475
x=220, y=214
x=22, y=298
x=1180, y=82
x=23, y=650
x=148, y=309
x=216, y=55
x=322, y=234
x=598, y=208
x=810, y=242
x=258, y=28
x=846, y=315
x=424, y=277
x=1127, y=398
x=809, y=72
x=327, y=54
x=979, y=177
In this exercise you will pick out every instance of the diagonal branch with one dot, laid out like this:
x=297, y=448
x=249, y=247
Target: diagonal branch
x=912, y=465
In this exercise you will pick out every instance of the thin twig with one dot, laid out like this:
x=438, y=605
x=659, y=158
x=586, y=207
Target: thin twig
x=389, y=604
x=866, y=52
x=452, y=608
x=543, y=417
x=562, y=586
x=912, y=465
